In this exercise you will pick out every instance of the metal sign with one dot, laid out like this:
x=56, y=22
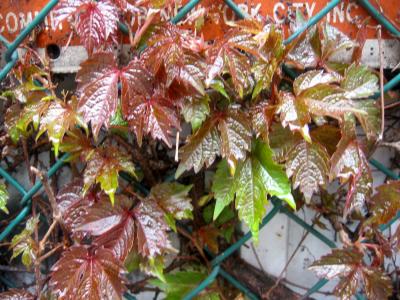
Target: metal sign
x=16, y=14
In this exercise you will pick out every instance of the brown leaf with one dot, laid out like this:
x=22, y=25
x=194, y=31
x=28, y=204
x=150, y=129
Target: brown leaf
x=15, y=294
x=95, y=21
x=308, y=165
x=152, y=236
x=386, y=202
x=86, y=273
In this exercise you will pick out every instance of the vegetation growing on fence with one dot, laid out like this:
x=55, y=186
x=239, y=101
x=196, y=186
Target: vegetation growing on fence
x=256, y=132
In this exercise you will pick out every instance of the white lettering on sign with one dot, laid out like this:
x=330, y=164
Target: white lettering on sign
x=2, y=26
x=24, y=21
x=340, y=13
x=279, y=9
x=13, y=22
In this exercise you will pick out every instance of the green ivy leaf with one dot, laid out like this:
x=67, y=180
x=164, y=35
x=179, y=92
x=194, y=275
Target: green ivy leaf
x=180, y=283
x=223, y=188
x=59, y=118
x=218, y=85
x=359, y=82
x=24, y=244
x=255, y=178
x=103, y=167
x=3, y=198
x=196, y=110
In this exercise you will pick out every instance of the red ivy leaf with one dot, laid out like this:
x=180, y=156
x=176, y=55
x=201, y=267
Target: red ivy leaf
x=348, y=265
x=72, y=205
x=226, y=56
x=85, y=273
x=153, y=114
x=152, y=229
x=350, y=164
x=95, y=21
x=145, y=104
x=14, y=294
x=386, y=202
x=169, y=51
x=122, y=229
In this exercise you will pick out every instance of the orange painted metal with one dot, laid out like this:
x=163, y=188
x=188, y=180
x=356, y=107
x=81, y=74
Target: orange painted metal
x=15, y=14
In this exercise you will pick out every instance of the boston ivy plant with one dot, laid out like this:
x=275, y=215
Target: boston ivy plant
x=193, y=136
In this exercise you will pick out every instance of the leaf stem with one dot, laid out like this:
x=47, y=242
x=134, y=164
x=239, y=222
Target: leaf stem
x=381, y=83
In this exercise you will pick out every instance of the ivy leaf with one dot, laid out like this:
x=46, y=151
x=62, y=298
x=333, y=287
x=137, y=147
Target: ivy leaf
x=262, y=116
x=195, y=110
x=103, y=167
x=328, y=136
x=226, y=56
x=174, y=199
x=350, y=164
x=386, y=202
x=313, y=78
x=145, y=104
x=223, y=188
x=225, y=133
x=17, y=294
x=201, y=149
x=377, y=284
x=255, y=178
x=24, y=244
x=152, y=229
x=95, y=21
x=18, y=119
x=87, y=273
x=359, y=82
x=282, y=140
x=97, y=85
x=77, y=145
x=3, y=198
x=151, y=113
x=273, y=52
x=180, y=283
x=308, y=165
x=73, y=205
x=370, y=118
x=294, y=112
x=343, y=263
x=348, y=265
x=347, y=160
x=340, y=262
x=112, y=225
x=59, y=118
x=207, y=236
x=328, y=100
x=168, y=50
